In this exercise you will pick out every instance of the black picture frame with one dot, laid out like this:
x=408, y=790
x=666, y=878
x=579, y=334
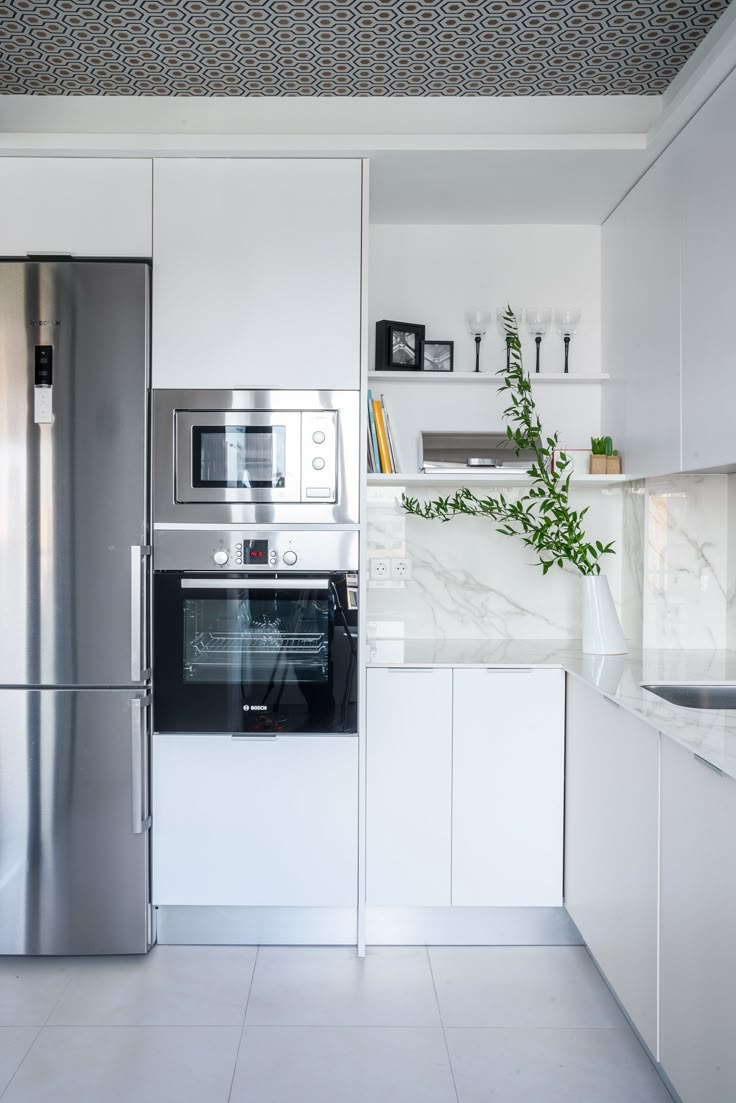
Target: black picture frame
x=440, y=352
x=399, y=346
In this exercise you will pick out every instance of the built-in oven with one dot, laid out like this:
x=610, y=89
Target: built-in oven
x=258, y=456
x=264, y=644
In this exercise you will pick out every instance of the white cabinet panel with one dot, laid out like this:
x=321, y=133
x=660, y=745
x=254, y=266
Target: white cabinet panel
x=240, y=821
x=508, y=765
x=409, y=772
x=93, y=207
x=641, y=322
x=611, y=846
x=698, y=932
x=708, y=159
x=257, y=272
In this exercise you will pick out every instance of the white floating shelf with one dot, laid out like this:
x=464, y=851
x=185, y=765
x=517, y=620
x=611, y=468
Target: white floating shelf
x=510, y=478
x=454, y=378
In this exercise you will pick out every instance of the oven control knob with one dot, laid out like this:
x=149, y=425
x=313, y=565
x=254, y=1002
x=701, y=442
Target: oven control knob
x=289, y=558
x=318, y=437
x=221, y=557
x=318, y=463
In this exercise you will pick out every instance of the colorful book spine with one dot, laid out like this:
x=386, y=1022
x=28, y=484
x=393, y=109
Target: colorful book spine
x=374, y=436
x=389, y=434
x=383, y=451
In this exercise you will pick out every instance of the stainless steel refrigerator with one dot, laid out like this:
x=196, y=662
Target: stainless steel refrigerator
x=74, y=677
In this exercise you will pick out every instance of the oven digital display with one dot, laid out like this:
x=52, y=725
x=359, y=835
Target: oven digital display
x=255, y=551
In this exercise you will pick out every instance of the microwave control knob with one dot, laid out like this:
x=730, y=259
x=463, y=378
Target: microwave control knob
x=318, y=437
x=289, y=558
x=221, y=557
x=318, y=463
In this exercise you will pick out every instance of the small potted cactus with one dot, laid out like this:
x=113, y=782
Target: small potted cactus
x=605, y=459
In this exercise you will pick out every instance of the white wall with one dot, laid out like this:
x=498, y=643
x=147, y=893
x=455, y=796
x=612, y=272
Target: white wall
x=432, y=274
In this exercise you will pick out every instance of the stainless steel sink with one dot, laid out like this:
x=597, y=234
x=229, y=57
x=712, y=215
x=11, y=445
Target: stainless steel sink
x=696, y=697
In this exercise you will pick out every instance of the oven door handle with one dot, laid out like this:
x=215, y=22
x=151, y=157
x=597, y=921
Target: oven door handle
x=255, y=583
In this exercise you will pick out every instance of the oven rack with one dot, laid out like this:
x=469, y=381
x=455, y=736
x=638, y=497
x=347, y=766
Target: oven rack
x=215, y=645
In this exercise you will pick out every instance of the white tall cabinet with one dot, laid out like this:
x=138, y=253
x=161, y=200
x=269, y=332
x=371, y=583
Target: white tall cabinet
x=611, y=846
x=698, y=939
x=86, y=206
x=257, y=273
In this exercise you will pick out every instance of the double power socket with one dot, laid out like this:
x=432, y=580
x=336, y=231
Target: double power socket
x=385, y=570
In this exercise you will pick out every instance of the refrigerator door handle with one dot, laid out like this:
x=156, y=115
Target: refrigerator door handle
x=137, y=555
x=139, y=746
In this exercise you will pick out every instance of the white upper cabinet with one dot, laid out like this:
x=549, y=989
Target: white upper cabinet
x=611, y=846
x=708, y=158
x=669, y=285
x=698, y=944
x=507, y=787
x=641, y=323
x=409, y=787
x=89, y=207
x=257, y=273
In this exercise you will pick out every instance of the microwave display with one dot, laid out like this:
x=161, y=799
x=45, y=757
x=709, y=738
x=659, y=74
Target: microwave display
x=237, y=456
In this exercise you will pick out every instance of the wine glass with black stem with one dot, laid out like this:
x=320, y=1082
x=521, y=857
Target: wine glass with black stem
x=567, y=319
x=477, y=322
x=538, y=320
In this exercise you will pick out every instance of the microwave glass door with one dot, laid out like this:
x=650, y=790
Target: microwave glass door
x=238, y=457
x=254, y=656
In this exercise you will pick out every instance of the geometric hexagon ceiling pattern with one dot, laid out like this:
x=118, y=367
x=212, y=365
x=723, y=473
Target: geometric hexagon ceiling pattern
x=347, y=47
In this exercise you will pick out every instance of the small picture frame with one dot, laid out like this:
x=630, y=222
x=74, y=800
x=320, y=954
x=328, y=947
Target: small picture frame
x=399, y=346
x=437, y=355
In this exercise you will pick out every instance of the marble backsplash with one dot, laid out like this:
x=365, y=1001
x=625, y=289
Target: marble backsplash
x=469, y=582
x=673, y=578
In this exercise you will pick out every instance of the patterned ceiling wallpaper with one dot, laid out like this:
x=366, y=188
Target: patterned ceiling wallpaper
x=347, y=47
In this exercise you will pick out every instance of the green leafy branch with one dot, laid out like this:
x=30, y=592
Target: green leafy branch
x=542, y=516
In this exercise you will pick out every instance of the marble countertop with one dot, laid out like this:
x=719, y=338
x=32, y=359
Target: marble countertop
x=710, y=733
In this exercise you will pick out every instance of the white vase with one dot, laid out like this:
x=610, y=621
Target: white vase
x=602, y=633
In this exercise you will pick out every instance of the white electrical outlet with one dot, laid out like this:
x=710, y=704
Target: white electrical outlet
x=401, y=569
x=379, y=569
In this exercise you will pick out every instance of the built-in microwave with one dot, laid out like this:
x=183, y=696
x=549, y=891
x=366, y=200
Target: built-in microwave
x=239, y=457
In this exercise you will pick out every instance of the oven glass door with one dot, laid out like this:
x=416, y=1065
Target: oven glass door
x=258, y=655
x=238, y=457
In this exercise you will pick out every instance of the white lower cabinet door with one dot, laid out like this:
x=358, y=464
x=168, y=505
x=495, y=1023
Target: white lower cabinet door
x=611, y=846
x=507, y=787
x=698, y=928
x=408, y=801
x=243, y=821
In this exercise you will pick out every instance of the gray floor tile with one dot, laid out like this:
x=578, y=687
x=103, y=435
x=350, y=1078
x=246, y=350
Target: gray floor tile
x=330, y=1064
x=332, y=986
x=124, y=1064
x=30, y=988
x=15, y=1041
x=521, y=986
x=554, y=1066
x=172, y=986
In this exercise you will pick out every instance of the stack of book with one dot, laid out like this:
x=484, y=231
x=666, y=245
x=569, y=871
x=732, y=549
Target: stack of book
x=381, y=454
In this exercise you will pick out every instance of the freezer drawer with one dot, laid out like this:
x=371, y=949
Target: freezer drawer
x=73, y=822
